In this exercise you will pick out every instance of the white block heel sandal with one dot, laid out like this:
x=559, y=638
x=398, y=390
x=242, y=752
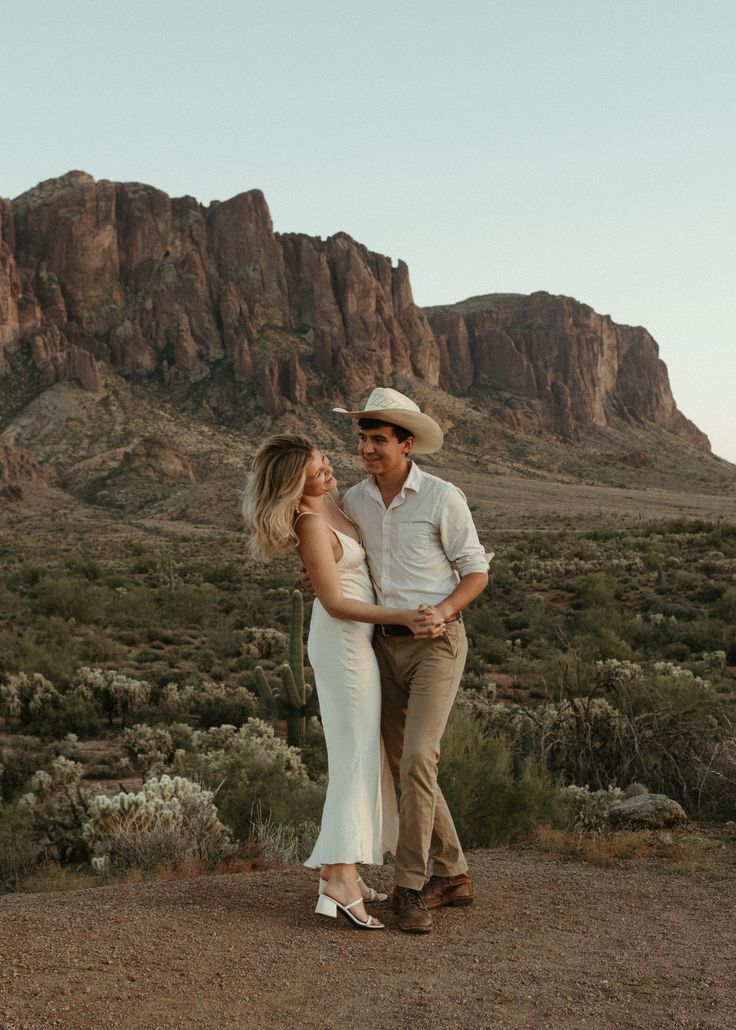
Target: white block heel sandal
x=327, y=906
x=374, y=897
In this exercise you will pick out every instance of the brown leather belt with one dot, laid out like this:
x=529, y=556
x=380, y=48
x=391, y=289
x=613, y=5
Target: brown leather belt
x=404, y=631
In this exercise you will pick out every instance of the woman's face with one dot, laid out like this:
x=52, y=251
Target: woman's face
x=319, y=479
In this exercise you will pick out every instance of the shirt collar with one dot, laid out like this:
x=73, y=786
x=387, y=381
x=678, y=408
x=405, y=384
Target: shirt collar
x=412, y=482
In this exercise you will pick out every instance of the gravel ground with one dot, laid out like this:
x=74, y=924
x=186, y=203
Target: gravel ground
x=547, y=944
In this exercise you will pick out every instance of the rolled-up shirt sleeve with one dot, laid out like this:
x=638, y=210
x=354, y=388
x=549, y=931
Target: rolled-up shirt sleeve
x=459, y=536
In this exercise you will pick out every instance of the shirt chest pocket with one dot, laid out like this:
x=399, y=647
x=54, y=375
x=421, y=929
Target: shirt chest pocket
x=418, y=542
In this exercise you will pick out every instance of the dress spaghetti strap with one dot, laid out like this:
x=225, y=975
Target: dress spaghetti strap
x=360, y=536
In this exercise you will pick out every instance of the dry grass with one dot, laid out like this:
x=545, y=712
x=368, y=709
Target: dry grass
x=51, y=877
x=681, y=852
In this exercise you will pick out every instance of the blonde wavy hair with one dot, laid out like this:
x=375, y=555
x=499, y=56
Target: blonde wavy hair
x=273, y=491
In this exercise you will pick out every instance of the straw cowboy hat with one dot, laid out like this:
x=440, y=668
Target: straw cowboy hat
x=390, y=406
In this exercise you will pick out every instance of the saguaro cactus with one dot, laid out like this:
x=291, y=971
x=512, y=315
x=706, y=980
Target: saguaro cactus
x=294, y=695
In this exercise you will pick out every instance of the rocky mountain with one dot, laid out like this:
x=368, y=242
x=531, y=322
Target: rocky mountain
x=558, y=356
x=129, y=321
x=119, y=274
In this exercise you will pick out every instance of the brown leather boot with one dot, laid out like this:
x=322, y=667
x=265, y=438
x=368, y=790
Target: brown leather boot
x=448, y=890
x=411, y=910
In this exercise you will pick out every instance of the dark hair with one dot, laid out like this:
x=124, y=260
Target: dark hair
x=402, y=435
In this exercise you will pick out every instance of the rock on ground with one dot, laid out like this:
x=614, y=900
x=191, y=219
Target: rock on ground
x=647, y=811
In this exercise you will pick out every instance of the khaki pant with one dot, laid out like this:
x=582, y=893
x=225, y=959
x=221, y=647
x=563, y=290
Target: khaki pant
x=419, y=681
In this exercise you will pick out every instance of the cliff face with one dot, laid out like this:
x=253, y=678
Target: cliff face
x=96, y=274
x=575, y=366
x=120, y=273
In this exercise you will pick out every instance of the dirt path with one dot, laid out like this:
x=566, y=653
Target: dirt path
x=547, y=945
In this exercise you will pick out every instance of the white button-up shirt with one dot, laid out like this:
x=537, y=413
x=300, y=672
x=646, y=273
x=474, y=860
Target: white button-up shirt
x=422, y=544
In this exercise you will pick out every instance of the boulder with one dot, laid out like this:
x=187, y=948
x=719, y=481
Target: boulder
x=647, y=811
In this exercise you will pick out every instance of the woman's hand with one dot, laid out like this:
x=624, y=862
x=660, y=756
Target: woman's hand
x=425, y=623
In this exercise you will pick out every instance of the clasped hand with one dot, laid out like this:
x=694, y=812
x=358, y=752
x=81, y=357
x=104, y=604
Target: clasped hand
x=426, y=623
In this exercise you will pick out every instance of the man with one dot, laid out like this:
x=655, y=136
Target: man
x=422, y=550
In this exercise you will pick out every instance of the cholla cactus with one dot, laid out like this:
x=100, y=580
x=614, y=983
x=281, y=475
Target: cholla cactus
x=60, y=806
x=24, y=695
x=683, y=677
x=176, y=701
x=115, y=693
x=262, y=642
x=612, y=673
x=715, y=660
x=295, y=695
x=168, y=821
x=254, y=749
x=590, y=808
x=148, y=747
x=227, y=700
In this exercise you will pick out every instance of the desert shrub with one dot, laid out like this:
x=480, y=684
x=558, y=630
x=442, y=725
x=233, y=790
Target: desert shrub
x=314, y=750
x=27, y=756
x=188, y=605
x=283, y=843
x=70, y=714
x=23, y=696
x=227, y=575
x=615, y=722
x=261, y=642
x=34, y=704
x=108, y=766
x=213, y=704
x=167, y=822
x=59, y=807
x=19, y=847
x=251, y=766
x=138, y=606
x=589, y=808
x=716, y=791
x=95, y=649
x=148, y=748
x=113, y=692
x=17, y=766
x=726, y=607
x=69, y=597
x=488, y=803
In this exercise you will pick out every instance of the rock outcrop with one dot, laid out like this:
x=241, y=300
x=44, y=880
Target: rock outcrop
x=18, y=468
x=100, y=276
x=577, y=366
x=95, y=273
x=152, y=458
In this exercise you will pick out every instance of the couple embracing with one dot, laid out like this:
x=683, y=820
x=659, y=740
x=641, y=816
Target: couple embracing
x=391, y=568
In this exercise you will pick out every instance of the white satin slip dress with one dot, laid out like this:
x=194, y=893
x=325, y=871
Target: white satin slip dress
x=360, y=817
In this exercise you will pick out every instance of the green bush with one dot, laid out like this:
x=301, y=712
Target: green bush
x=489, y=804
x=19, y=847
x=252, y=768
x=70, y=598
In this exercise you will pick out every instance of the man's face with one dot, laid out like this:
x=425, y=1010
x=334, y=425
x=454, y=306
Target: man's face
x=381, y=451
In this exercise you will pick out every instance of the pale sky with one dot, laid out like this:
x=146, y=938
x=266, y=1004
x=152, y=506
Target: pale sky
x=584, y=147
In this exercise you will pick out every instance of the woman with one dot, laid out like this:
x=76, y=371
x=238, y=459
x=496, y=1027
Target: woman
x=290, y=501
